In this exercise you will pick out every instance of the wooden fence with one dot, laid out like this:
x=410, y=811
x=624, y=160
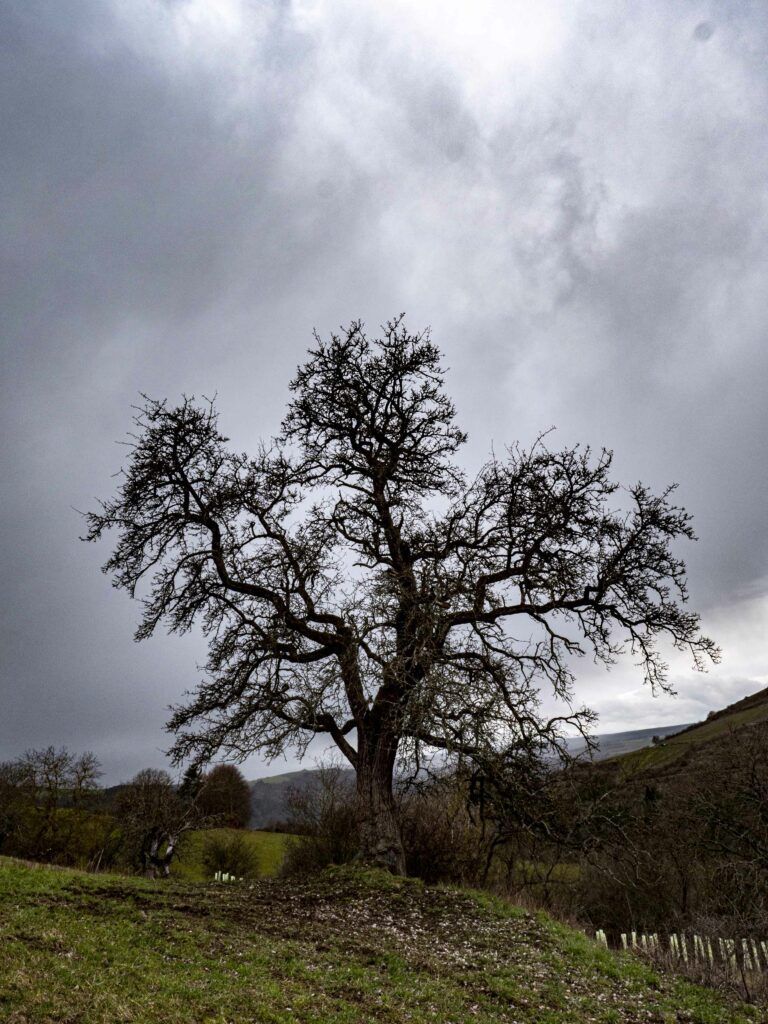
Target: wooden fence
x=748, y=953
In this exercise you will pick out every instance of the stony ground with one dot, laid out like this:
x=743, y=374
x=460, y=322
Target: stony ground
x=345, y=946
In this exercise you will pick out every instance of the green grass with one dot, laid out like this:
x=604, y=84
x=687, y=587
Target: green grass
x=269, y=848
x=340, y=948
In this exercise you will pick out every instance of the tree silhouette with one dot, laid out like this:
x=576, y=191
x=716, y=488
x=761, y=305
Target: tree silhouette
x=226, y=796
x=353, y=583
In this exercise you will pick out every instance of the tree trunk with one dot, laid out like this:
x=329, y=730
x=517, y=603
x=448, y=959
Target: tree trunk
x=381, y=844
x=157, y=864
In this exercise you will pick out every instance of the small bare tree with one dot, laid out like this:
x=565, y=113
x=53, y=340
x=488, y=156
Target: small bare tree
x=15, y=798
x=353, y=584
x=153, y=816
x=55, y=780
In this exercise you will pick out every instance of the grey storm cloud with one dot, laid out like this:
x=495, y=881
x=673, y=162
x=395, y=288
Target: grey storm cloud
x=572, y=194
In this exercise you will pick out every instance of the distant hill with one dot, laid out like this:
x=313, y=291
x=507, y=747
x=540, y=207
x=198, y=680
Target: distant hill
x=614, y=744
x=269, y=796
x=632, y=749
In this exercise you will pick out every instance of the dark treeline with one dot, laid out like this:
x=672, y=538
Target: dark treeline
x=53, y=810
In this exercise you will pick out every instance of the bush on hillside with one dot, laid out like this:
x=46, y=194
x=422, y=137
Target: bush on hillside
x=229, y=853
x=324, y=816
x=683, y=843
x=444, y=839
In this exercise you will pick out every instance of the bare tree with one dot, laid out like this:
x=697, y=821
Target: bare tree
x=353, y=584
x=323, y=814
x=56, y=779
x=153, y=816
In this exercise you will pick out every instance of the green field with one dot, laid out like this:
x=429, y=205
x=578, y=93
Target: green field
x=344, y=947
x=269, y=848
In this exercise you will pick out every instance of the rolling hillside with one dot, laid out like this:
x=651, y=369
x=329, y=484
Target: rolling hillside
x=616, y=743
x=269, y=795
x=343, y=947
x=751, y=710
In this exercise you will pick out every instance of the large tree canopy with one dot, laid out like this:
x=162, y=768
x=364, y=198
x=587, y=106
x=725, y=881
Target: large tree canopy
x=352, y=582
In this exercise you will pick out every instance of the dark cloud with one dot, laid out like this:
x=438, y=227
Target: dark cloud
x=574, y=199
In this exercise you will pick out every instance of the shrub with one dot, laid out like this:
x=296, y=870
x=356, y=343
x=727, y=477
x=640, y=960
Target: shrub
x=325, y=816
x=229, y=853
x=442, y=841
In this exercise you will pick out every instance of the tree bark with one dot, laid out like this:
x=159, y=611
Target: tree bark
x=381, y=844
x=157, y=864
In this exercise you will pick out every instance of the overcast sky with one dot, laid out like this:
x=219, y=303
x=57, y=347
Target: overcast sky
x=574, y=195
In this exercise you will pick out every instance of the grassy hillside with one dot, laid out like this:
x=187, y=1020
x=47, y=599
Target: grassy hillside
x=615, y=743
x=268, y=846
x=749, y=711
x=341, y=948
